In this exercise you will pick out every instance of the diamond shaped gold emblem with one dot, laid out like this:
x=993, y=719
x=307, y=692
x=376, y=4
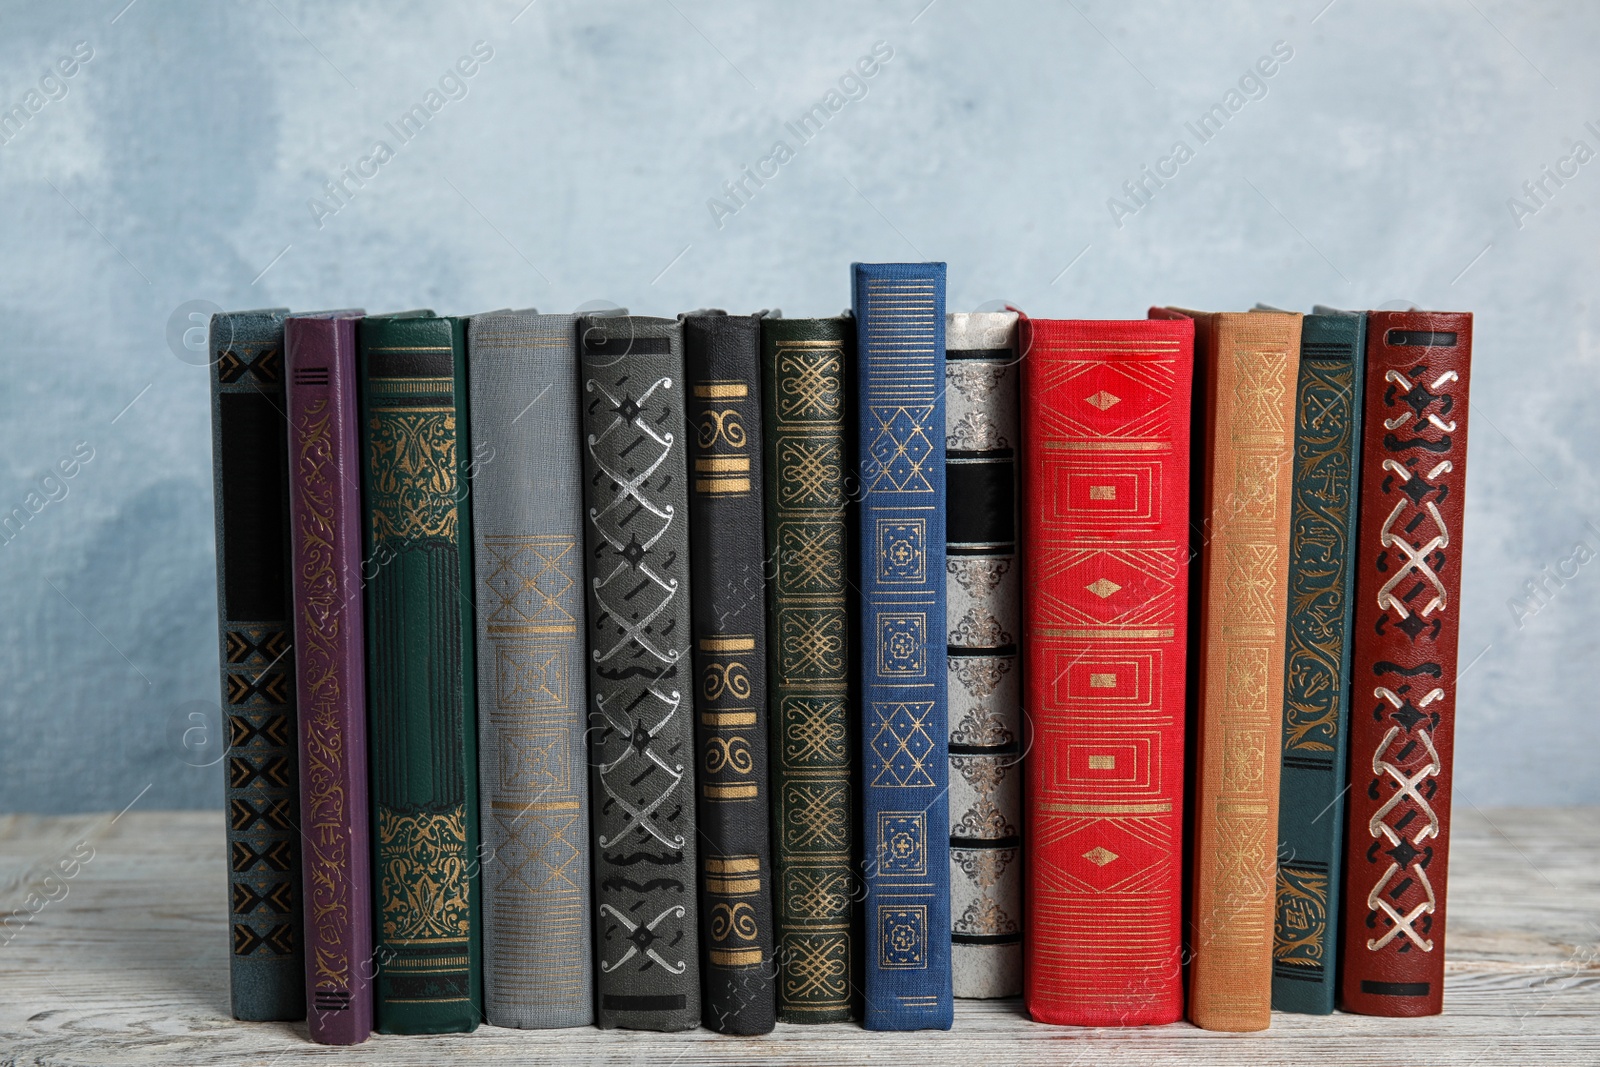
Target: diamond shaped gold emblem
x=1099, y=856
x=1103, y=588
x=1103, y=400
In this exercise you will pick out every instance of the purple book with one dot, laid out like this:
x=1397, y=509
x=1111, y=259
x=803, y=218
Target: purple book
x=325, y=525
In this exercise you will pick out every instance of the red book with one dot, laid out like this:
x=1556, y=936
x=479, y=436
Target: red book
x=1403, y=669
x=1106, y=508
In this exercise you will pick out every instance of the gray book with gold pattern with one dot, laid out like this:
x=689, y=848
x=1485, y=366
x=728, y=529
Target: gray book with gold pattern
x=984, y=596
x=527, y=470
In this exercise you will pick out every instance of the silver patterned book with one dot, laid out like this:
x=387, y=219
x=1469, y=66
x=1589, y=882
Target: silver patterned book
x=984, y=619
x=526, y=471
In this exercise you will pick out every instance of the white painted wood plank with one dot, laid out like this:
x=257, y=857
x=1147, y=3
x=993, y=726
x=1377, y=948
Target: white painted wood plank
x=130, y=967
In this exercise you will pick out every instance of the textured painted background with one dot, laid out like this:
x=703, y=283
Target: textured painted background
x=1374, y=167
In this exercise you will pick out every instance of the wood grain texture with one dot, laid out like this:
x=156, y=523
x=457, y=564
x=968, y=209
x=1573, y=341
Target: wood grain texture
x=130, y=967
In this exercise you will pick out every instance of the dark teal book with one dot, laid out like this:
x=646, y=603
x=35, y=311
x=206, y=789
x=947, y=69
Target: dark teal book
x=250, y=462
x=905, y=749
x=1316, y=706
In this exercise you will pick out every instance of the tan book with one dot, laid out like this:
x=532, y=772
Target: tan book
x=1246, y=366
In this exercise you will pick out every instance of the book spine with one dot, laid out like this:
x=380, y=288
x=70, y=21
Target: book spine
x=805, y=390
x=527, y=523
x=1316, y=707
x=641, y=729
x=722, y=354
x=1242, y=528
x=325, y=509
x=983, y=596
x=420, y=674
x=249, y=446
x=901, y=574
x=1403, y=674
x=1106, y=427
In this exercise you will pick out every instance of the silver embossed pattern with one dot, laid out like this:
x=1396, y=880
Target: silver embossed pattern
x=984, y=622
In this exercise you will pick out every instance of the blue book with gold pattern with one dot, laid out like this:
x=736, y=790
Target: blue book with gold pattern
x=901, y=569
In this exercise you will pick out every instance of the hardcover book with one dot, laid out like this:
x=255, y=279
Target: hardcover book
x=641, y=681
x=331, y=676
x=983, y=596
x=421, y=677
x=1403, y=675
x=1246, y=367
x=804, y=389
x=1316, y=707
x=901, y=574
x=249, y=453
x=527, y=524
x=1106, y=439
x=727, y=559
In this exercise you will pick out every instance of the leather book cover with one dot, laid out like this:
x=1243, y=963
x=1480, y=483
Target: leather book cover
x=806, y=378
x=905, y=755
x=727, y=561
x=1246, y=367
x=331, y=676
x=1106, y=455
x=1316, y=707
x=983, y=597
x=527, y=525
x=421, y=676
x=249, y=452
x=1403, y=670
x=641, y=678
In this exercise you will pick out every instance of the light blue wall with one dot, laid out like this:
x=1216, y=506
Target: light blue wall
x=179, y=163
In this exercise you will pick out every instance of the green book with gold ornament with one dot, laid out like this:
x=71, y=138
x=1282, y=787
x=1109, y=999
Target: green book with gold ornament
x=421, y=673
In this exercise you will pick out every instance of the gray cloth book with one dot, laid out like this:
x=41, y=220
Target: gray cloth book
x=526, y=471
x=641, y=715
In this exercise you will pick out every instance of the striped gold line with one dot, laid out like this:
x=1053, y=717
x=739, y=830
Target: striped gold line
x=1108, y=633
x=732, y=887
x=732, y=864
x=728, y=718
x=729, y=792
x=722, y=485
x=722, y=463
x=722, y=391
x=728, y=643
x=744, y=957
x=1107, y=809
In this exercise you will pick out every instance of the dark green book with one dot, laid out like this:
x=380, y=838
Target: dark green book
x=1316, y=706
x=421, y=677
x=804, y=390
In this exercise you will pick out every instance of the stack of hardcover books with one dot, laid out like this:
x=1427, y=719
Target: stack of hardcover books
x=723, y=669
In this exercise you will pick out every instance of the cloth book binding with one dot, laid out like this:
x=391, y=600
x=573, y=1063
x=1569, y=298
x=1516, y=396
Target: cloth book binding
x=1316, y=707
x=1246, y=367
x=727, y=560
x=983, y=594
x=527, y=498
x=1106, y=438
x=249, y=454
x=901, y=574
x=805, y=367
x=421, y=673
x=641, y=679
x=325, y=512
x=1403, y=675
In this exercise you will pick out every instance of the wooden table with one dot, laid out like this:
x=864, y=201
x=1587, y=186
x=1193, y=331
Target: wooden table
x=130, y=967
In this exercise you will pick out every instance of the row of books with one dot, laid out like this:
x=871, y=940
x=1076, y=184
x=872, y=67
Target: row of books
x=664, y=672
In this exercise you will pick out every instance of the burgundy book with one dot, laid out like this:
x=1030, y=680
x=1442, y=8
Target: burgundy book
x=1403, y=664
x=325, y=524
